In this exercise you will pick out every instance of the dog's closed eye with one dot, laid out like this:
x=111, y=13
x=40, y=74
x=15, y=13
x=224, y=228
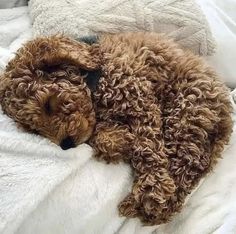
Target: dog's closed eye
x=47, y=107
x=50, y=105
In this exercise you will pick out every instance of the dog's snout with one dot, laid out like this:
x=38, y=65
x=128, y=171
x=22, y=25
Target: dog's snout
x=67, y=143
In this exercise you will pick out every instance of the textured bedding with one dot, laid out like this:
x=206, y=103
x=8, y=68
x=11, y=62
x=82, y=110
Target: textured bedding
x=46, y=190
x=182, y=20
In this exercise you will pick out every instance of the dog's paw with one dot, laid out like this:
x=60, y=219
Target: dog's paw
x=148, y=199
x=128, y=207
x=108, y=157
x=149, y=211
x=112, y=145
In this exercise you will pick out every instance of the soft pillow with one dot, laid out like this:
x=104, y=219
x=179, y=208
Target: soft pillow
x=182, y=20
x=222, y=19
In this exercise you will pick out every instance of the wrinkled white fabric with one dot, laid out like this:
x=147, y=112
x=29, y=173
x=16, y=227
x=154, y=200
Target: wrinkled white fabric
x=12, y=3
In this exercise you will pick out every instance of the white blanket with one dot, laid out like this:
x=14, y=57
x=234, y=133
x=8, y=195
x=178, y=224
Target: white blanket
x=44, y=190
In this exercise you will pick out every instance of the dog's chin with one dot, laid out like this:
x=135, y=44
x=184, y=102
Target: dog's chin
x=84, y=139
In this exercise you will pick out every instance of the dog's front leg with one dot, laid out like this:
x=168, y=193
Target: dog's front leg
x=111, y=142
x=153, y=185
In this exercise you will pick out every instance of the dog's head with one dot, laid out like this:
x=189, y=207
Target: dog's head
x=44, y=89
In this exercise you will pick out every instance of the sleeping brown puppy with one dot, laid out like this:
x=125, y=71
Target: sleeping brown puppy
x=135, y=97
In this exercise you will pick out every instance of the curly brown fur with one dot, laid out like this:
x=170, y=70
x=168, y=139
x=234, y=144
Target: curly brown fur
x=159, y=108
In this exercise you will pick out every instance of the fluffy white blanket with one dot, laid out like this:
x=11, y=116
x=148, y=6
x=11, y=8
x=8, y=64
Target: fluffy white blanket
x=46, y=190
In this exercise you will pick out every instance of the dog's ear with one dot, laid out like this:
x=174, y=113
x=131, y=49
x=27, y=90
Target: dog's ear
x=55, y=50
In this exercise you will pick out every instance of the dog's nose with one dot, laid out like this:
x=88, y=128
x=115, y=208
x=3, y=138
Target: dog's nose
x=67, y=143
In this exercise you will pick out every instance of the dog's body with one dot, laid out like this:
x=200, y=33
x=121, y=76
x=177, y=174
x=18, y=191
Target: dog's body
x=157, y=107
